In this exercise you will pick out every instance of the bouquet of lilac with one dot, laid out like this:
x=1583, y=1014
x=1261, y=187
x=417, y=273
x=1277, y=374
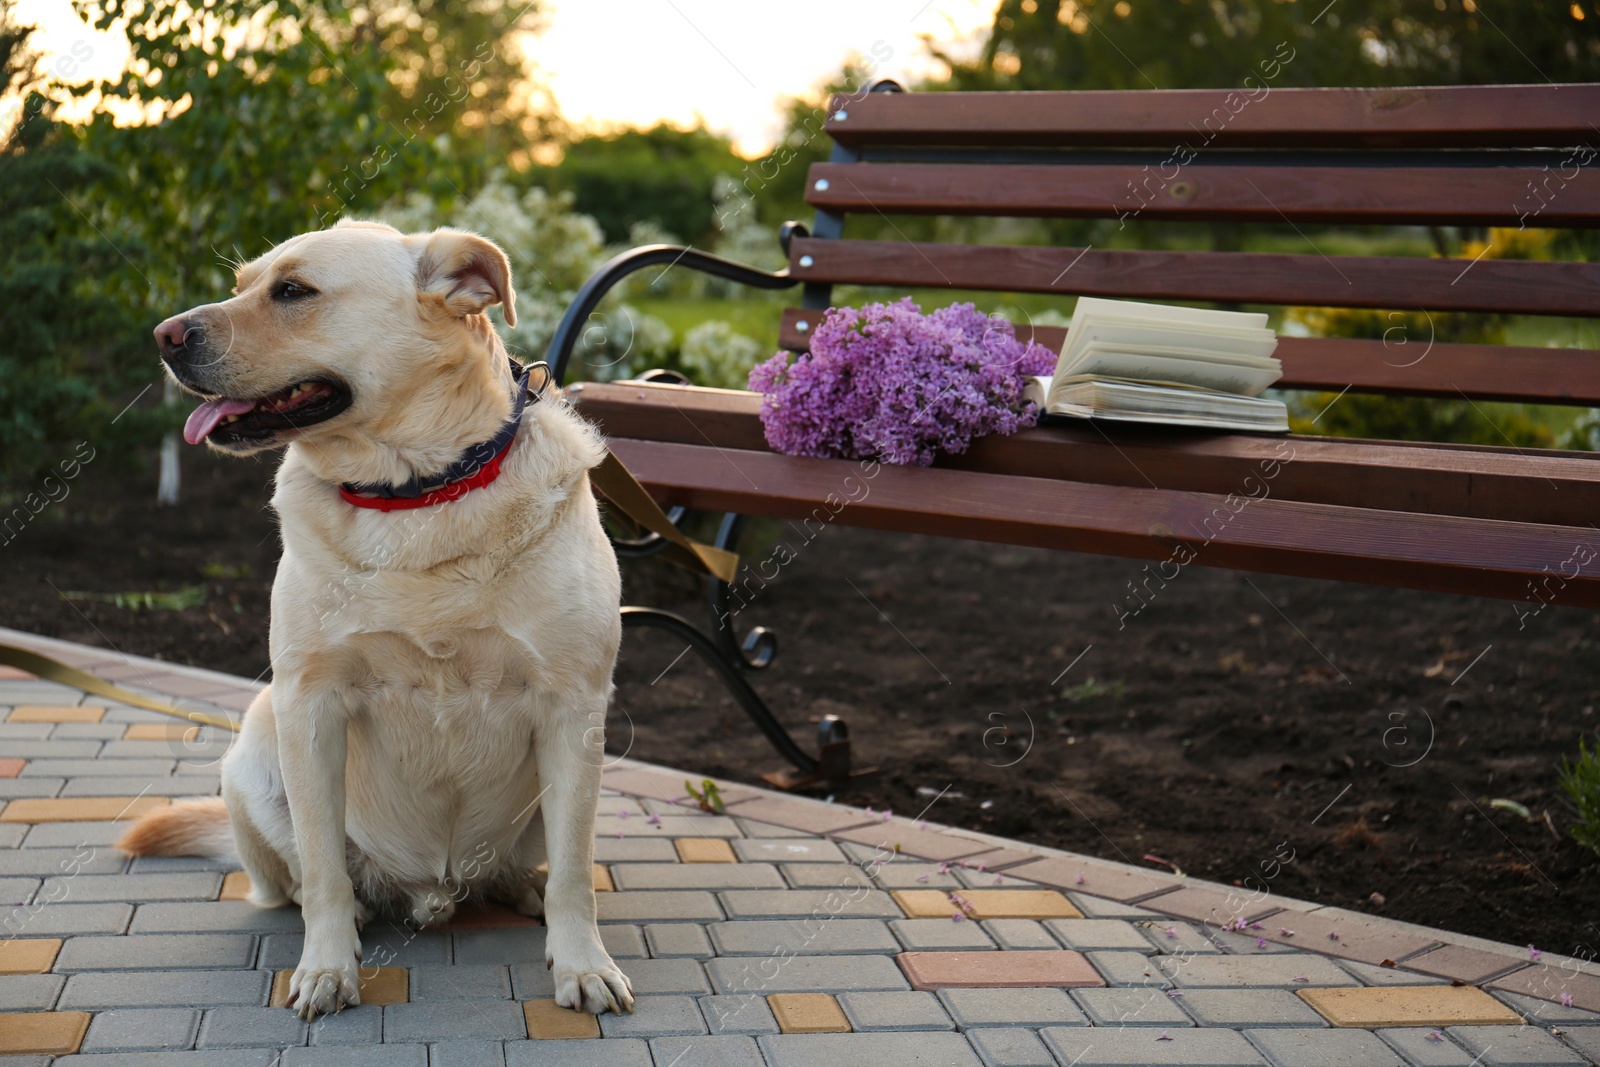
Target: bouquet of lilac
x=890, y=383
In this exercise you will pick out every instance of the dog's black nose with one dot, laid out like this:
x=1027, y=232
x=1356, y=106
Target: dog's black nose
x=172, y=335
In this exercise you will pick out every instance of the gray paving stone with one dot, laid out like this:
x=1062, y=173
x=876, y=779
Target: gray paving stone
x=139, y=952
x=919, y=935
x=1522, y=1046
x=634, y=850
x=1255, y=971
x=1138, y=1046
x=50, y=752
x=467, y=1054
x=11, y=788
x=667, y=976
x=361, y=1025
x=189, y=786
x=1416, y=1047
x=633, y=876
x=380, y=947
x=684, y=825
x=756, y=828
x=86, y=731
x=1088, y=935
x=380, y=1056
x=65, y=919
x=802, y=903
x=241, y=1057
x=143, y=989
x=11, y=834
x=1323, y=1048
x=33, y=731
x=30, y=992
x=656, y=1016
x=1131, y=1006
x=1174, y=938
x=894, y=1011
x=94, y=888
x=73, y=834
x=251, y=1027
x=1010, y=1046
x=213, y=916
x=1370, y=974
x=662, y=905
x=1586, y=1039
x=831, y=1050
x=202, y=749
x=1242, y=1008
x=42, y=863
x=806, y=974
x=788, y=850
x=1094, y=907
x=1544, y=1012
x=22, y=890
x=141, y=1030
x=497, y=1020
x=1129, y=968
x=618, y=1052
x=1019, y=934
x=827, y=876
x=624, y=942
x=462, y=982
x=919, y=876
x=522, y=944
x=176, y=864
x=531, y=981
x=1244, y=945
x=1012, y=1007
x=94, y=768
x=757, y=937
x=746, y=1014
x=723, y=1051
x=671, y=940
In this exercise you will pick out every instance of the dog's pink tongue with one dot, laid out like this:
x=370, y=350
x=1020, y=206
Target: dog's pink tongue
x=204, y=418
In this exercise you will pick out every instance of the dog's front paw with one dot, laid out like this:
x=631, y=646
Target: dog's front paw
x=326, y=982
x=595, y=988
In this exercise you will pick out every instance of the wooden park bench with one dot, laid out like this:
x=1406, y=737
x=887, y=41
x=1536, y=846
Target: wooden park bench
x=1491, y=521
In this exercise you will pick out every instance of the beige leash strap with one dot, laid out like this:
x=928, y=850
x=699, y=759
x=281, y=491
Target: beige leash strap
x=614, y=481
x=55, y=671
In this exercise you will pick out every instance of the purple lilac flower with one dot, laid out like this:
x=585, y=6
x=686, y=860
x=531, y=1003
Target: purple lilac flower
x=890, y=383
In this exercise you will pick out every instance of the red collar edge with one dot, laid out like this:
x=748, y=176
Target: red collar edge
x=454, y=491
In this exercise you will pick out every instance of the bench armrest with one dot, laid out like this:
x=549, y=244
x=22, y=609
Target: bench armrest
x=607, y=277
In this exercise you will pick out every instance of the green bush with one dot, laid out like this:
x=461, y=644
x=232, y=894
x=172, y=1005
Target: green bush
x=1580, y=780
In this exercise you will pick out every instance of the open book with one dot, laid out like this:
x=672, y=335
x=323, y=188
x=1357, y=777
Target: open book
x=1155, y=363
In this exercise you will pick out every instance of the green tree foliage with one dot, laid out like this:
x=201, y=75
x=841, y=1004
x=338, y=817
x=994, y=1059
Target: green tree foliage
x=662, y=176
x=1177, y=44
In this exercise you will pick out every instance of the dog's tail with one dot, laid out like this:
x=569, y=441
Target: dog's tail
x=192, y=828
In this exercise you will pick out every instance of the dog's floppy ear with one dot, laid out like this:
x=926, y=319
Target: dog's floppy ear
x=467, y=272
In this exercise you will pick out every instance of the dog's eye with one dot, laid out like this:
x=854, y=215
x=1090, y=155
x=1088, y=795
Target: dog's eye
x=292, y=291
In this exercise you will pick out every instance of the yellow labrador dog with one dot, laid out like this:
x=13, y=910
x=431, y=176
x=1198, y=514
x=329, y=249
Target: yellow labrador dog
x=444, y=619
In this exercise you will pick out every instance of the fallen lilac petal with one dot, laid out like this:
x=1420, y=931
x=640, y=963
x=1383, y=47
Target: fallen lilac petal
x=624, y=813
x=1261, y=942
x=1332, y=936
x=1164, y=1036
x=1301, y=978
x=1257, y=926
x=999, y=879
x=1172, y=931
x=1434, y=1035
x=959, y=916
x=654, y=820
x=922, y=878
x=1174, y=993
x=1534, y=954
x=1285, y=933
x=1082, y=879
x=1566, y=1000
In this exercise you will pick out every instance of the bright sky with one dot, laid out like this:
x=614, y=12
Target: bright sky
x=634, y=62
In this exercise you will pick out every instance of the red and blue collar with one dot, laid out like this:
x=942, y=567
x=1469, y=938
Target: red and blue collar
x=477, y=467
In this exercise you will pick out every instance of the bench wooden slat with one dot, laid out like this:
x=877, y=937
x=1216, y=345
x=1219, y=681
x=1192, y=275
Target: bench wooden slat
x=1560, y=488
x=1499, y=116
x=1441, y=553
x=1507, y=286
x=1403, y=366
x=1443, y=196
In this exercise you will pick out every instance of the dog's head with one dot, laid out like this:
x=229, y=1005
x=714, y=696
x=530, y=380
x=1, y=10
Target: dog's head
x=332, y=328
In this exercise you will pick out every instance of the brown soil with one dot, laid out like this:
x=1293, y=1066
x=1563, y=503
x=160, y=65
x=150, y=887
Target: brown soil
x=1234, y=718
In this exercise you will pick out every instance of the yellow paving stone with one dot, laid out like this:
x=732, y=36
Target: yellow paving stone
x=378, y=985
x=42, y=1032
x=235, y=886
x=54, y=713
x=160, y=731
x=924, y=903
x=1018, y=904
x=602, y=879
x=79, y=809
x=28, y=955
x=808, y=1013
x=1394, y=1005
x=704, y=850
x=549, y=1021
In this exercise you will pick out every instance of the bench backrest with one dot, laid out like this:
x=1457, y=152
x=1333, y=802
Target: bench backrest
x=1518, y=155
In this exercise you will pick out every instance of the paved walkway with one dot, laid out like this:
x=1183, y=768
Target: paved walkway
x=785, y=932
